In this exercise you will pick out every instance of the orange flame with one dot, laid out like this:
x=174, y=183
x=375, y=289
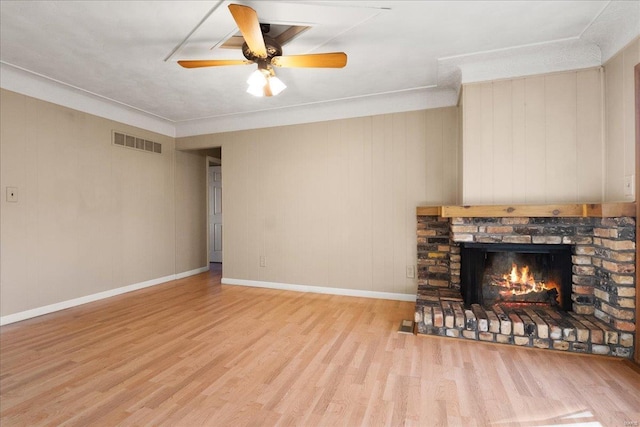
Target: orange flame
x=521, y=282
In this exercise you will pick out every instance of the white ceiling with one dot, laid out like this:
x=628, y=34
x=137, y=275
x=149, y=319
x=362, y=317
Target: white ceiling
x=118, y=58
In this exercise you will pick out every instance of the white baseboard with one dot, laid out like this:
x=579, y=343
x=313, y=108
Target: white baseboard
x=35, y=312
x=192, y=272
x=320, y=289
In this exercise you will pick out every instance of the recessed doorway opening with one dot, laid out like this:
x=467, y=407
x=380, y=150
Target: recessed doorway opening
x=214, y=206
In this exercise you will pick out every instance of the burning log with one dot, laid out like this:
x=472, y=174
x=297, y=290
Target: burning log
x=520, y=286
x=549, y=296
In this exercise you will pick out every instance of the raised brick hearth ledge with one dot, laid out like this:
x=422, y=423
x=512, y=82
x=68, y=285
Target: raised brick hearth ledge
x=603, y=240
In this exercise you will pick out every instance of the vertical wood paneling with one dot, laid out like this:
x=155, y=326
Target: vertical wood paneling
x=535, y=136
x=313, y=239
x=460, y=157
x=524, y=141
x=382, y=264
x=521, y=166
x=631, y=57
x=451, y=152
x=335, y=201
x=620, y=120
x=442, y=151
x=399, y=199
x=256, y=160
x=416, y=135
x=366, y=216
x=614, y=111
x=472, y=146
x=336, y=206
x=289, y=207
x=358, y=245
x=235, y=181
x=284, y=207
x=589, y=144
x=486, y=158
x=435, y=165
x=560, y=118
x=503, y=171
x=255, y=199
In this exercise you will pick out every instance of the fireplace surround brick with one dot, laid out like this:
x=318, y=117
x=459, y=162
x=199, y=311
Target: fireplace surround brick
x=603, y=316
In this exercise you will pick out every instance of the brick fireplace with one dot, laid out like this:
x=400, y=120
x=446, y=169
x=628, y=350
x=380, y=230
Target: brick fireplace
x=601, y=311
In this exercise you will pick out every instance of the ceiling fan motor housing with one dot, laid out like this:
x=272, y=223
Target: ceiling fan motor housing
x=273, y=49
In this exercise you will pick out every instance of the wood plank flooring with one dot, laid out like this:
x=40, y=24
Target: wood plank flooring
x=194, y=352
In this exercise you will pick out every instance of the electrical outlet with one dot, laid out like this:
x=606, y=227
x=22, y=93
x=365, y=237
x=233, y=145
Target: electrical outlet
x=629, y=186
x=411, y=272
x=263, y=261
x=12, y=194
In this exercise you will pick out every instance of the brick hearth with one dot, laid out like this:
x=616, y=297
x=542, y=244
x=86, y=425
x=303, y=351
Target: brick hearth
x=602, y=320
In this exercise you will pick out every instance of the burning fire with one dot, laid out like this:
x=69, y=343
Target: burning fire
x=520, y=281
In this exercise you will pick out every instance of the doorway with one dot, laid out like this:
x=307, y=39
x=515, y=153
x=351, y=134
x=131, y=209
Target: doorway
x=214, y=209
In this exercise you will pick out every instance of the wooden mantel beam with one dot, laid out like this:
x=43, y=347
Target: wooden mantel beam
x=428, y=211
x=543, y=211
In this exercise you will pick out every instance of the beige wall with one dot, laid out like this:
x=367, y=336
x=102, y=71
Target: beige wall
x=91, y=216
x=620, y=122
x=534, y=140
x=333, y=203
x=460, y=162
x=191, y=211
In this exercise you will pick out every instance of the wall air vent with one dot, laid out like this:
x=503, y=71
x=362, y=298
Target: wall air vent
x=140, y=144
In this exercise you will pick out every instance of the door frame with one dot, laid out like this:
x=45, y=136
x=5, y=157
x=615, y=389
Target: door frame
x=210, y=161
x=636, y=70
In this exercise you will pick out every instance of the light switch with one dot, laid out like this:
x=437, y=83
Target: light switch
x=12, y=194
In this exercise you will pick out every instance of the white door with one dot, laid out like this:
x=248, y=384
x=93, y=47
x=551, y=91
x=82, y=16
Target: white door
x=215, y=214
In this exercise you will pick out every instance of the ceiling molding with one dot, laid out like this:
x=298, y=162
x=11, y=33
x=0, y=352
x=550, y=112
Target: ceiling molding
x=27, y=83
x=563, y=55
x=614, y=28
x=37, y=86
x=610, y=31
x=371, y=105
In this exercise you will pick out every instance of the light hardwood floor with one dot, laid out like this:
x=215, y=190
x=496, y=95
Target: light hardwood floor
x=194, y=352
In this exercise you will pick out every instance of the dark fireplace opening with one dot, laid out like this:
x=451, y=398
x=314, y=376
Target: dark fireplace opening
x=503, y=273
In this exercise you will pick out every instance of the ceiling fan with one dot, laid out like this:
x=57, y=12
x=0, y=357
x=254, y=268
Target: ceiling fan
x=265, y=51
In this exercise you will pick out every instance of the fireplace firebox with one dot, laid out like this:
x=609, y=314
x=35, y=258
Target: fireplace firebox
x=522, y=274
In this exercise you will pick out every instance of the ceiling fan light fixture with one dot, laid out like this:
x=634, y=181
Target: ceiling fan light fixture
x=256, y=91
x=263, y=82
x=276, y=85
x=258, y=78
x=257, y=82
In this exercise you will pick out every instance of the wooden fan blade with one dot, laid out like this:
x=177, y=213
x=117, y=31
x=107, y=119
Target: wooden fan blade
x=247, y=20
x=317, y=60
x=213, y=63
